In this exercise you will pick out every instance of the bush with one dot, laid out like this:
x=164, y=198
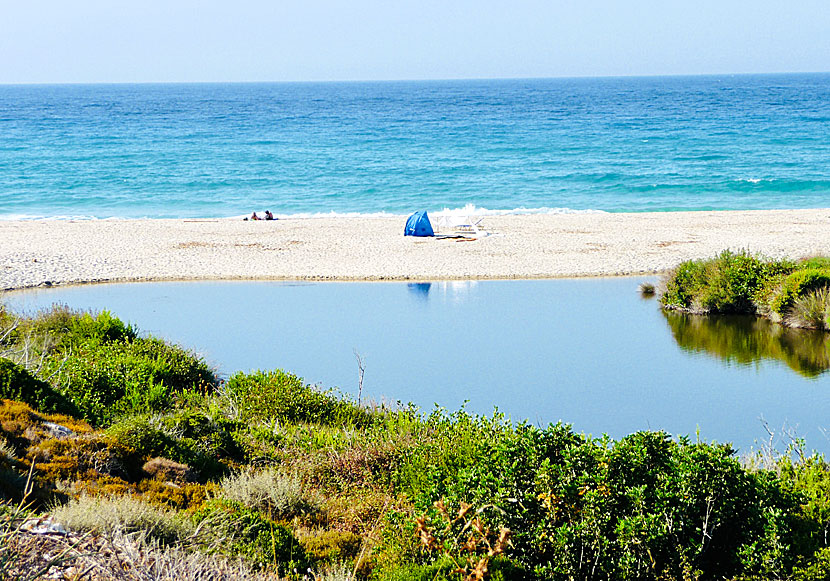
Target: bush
x=18, y=384
x=126, y=377
x=797, y=285
x=332, y=546
x=645, y=507
x=69, y=328
x=683, y=285
x=279, y=495
x=729, y=283
x=146, y=438
x=277, y=395
x=241, y=531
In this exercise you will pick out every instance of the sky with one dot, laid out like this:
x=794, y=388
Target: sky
x=83, y=41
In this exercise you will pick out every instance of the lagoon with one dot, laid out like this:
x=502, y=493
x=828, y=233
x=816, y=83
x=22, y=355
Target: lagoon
x=589, y=352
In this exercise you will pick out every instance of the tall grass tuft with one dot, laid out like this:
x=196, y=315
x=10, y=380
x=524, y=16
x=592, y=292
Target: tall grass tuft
x=123, y=514
x=810, y=311
x=273, y=492
x=647, y=289
x=156, y=563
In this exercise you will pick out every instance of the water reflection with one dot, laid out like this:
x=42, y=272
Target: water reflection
x=745, y=340
x=419, y=290
x=456, y=291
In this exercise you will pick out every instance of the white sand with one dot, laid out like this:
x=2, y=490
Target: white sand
x=36, y=253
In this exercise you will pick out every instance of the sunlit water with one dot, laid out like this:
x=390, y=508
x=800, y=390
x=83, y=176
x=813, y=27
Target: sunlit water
x=612, y=144
x=590, y=352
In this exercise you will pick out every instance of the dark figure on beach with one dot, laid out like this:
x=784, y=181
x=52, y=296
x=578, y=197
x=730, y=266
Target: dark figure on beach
x=255, y=217
x=268, y=215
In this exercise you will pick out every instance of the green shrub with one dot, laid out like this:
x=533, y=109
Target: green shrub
x=818, y=569
x=146, y=438
x=241, y=531
x=446, y=569
x=332, y=546
x=645, y=507
x=809, y=479
x=277, y=395
x=797, y=285
x=105, y=380
x=683, y=285
x=71, y=328
x=730, y=283
x=18, y=384
x=815, y=262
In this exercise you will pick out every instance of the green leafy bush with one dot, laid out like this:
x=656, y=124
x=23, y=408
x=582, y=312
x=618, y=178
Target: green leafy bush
x=241, y=531
x=684, y=284
x=71, y=328
x=729, y=283
x=18, y=384
x=646, y=507
x=277, y=395
x=797, y=285
x=815, y=262
x=105, y=380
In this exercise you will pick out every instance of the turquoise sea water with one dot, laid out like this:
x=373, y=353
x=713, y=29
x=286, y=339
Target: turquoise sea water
x=615, y=144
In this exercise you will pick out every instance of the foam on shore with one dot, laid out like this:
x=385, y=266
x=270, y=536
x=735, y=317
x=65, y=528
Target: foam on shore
x=544, y=245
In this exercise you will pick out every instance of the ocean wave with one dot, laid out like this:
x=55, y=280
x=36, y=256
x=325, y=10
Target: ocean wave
x=468, y=210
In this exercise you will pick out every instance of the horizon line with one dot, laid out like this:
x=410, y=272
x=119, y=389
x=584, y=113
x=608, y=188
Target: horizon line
x=410, y=80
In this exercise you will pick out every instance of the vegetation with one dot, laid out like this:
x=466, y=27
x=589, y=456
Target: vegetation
x=745, y=340
x=134, y=441
x=793, y=293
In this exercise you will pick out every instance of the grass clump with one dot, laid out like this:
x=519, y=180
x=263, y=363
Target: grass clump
x=810, y=311
x=647, y=289
x=107, y=515
x=281, y=496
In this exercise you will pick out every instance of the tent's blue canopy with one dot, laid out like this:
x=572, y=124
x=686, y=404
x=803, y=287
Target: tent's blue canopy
x=418, y=224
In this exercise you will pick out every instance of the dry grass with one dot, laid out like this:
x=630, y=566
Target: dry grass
x=279, y=494
x=811, y=311
x=120, y=557
x=109, y=515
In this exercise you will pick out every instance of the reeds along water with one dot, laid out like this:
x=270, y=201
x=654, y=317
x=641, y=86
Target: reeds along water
x=746, y=339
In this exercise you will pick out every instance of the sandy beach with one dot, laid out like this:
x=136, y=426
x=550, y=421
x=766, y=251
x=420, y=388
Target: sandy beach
x=43, y=253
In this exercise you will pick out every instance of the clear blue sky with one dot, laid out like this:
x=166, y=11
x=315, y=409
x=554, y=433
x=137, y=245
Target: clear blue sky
x=56, y=41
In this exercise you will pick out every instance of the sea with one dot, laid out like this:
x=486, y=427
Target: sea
x=373, y=148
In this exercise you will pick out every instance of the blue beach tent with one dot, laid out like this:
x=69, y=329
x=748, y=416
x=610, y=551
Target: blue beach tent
x=418, y=224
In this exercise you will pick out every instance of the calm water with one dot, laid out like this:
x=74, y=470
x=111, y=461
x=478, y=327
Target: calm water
x=588, y=352
x=614, y=144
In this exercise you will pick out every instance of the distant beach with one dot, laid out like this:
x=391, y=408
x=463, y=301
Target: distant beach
x=58, y=252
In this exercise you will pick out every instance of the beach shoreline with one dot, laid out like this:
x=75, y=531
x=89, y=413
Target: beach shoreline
x=532, y=246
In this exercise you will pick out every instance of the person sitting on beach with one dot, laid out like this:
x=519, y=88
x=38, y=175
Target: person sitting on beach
x=269, y=215
x=255, y=217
